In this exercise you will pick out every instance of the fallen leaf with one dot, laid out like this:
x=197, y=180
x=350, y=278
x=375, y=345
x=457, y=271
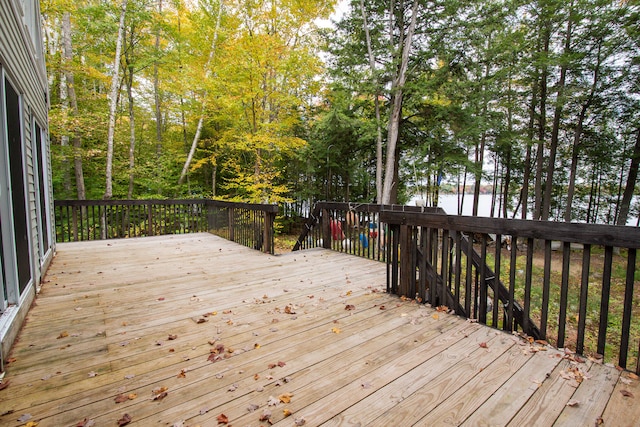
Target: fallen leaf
x=10, y=360
x=233, y=387
x=300, y=421
x=272, y=401
x=63, y=334
x=160, y=396
x=626, y=393
x=92, y=374
x=256, y=346
x=350, y=307
x=182, y=374
x=599, y=421
x=435, y=316
x=281, y=364
x=24, y=418
x=289, y=309
x=573, y=403
x=126, y=419
x=286, y=412
x=161, y=299
x=285, y=398
x=86, y=423
x=483, y=345
x=335, y=330
x=266, y=414
x=121, y=398
x=252, y=407
x=172, y=337
x=632, y=376
x=222, y=419
x=348, y=293
x=132, y=396
x=382, y=307
x=31, y=424
x=4, y=384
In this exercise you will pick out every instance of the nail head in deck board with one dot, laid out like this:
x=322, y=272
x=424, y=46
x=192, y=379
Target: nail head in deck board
x=382, y=347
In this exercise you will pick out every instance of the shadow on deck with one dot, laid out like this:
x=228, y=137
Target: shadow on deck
x=193, y=330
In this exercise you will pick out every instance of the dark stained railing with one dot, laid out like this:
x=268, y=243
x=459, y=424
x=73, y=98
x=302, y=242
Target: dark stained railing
x=570, y=284
x=352, y=228
x=248, y=224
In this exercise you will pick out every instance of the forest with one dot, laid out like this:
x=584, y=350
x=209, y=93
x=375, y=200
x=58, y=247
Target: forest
x=535, y=101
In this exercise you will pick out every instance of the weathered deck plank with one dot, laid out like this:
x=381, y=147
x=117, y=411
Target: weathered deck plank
x=352, y=354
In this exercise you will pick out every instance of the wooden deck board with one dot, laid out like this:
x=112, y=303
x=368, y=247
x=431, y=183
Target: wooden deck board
x=100, y=328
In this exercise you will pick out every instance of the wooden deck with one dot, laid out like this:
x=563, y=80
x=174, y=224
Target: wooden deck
x=310, y=333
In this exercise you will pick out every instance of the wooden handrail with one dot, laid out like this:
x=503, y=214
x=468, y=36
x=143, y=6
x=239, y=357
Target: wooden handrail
x=454, y=265
x=249, y=224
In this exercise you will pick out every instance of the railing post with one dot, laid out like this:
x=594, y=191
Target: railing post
x=74, y=222
x=326, y=229
x=407, y=273
x=150, y=226
x=267, y=244
x=231, y=213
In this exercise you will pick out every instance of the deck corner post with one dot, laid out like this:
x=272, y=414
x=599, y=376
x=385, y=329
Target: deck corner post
x=269, y=218
x=326, y=229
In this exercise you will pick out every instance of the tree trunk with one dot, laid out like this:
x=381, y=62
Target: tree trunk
x=542, y=122
x=630, y=187
x=132, y=132
x=376, y=104
x=113, y=99
x=396, y=112
x=196, y=137
x=73, y=101
x=157, y=102
x=553, y=148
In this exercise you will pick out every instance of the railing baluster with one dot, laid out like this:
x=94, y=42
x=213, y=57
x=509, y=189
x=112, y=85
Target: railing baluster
x=564, y=292
x=628, y=304
x=584, y=292
x=604, y=299
x=527, y=284
x=546, y=281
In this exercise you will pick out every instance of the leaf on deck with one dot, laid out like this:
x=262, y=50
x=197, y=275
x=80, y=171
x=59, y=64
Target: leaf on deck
x=126, y=419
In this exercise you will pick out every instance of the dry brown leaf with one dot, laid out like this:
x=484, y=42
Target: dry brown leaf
x=335, y=330
x=349, y=307
x=4, y=384
x=172, y=337
x=281, y=364
x=435, y=316
x=573, y=403
x=126, y=419
x=286, y=412
x=300, y=421
x=160, y=396
x=222, y=419
x=121, y=398
x=483, y=345
x=265, y=416
x=632, y=376
x=63, y=334
x=132, y=396
x=626, y=393
x=289, y=309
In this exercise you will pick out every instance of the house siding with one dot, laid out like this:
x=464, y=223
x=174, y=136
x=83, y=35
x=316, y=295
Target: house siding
x=22, y=62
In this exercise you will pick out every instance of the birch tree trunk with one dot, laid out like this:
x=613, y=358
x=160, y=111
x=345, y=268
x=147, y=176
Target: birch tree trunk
x=396, y=111
x=196, y=137
x=113, y=99
x=73, y=102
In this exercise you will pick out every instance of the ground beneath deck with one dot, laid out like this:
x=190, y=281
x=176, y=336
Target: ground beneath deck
x=194, y=330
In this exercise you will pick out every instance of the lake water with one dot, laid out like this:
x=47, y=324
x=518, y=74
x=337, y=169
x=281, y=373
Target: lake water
x=449, y=202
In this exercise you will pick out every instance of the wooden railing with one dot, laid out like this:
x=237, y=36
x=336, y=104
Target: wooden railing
x=569, y=284
x=248, y=224
x=352, y=228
